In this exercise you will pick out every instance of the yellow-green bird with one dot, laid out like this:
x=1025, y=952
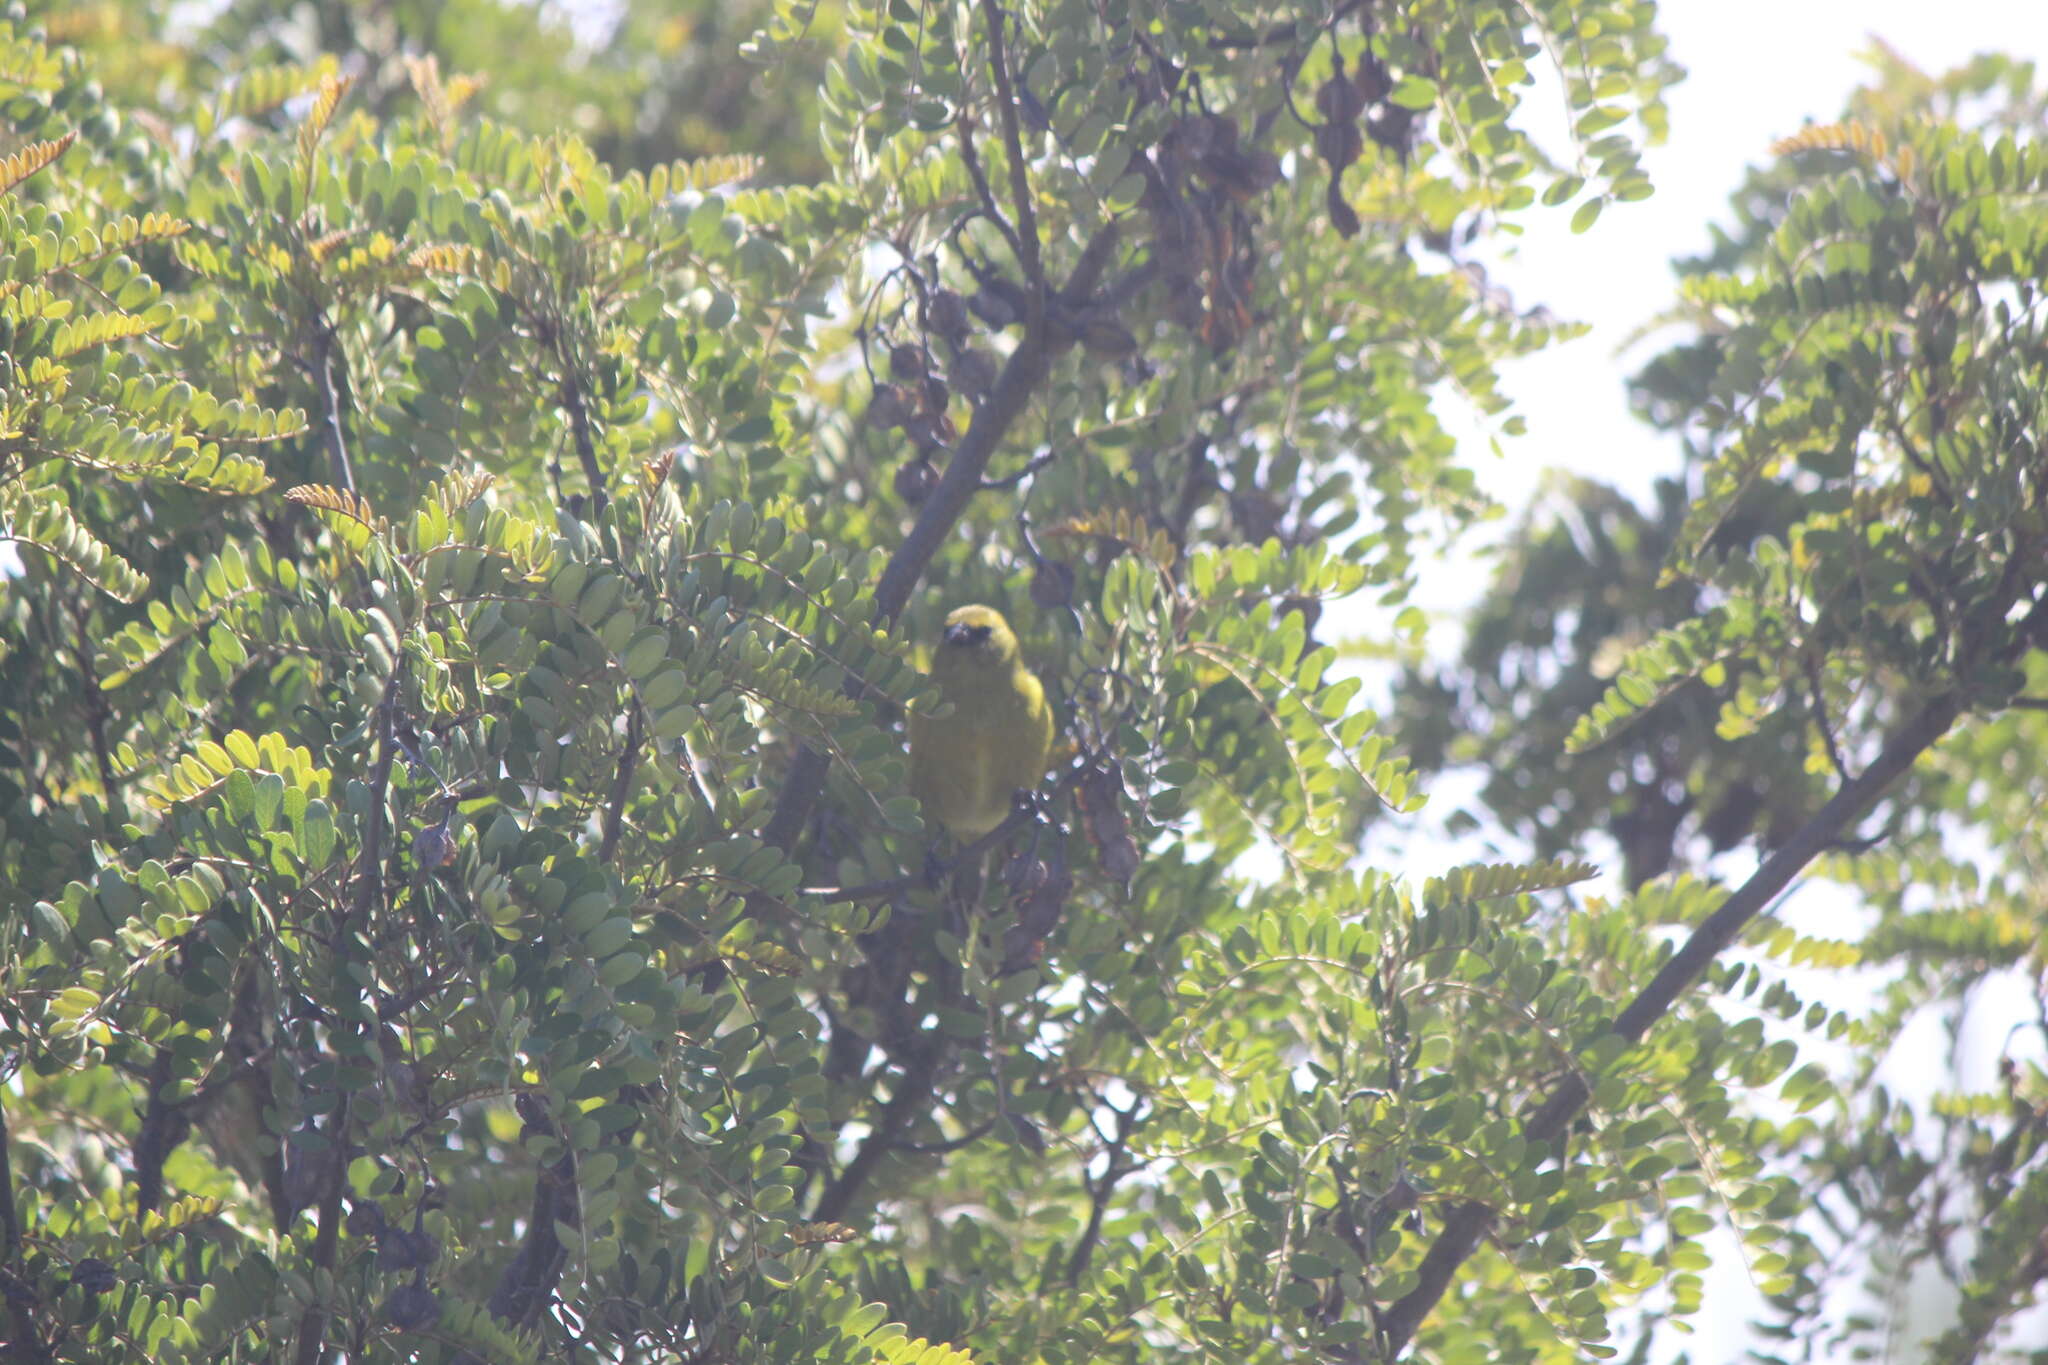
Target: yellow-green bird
x=965, y=766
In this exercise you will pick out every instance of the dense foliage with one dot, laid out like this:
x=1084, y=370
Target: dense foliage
x=461, y=897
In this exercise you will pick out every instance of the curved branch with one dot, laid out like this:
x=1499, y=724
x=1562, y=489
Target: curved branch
x=1469, y=1220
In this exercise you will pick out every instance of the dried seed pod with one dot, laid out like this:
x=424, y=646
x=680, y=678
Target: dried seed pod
x=1339, y=145
x=398, y=1249
x=915, y=480
x=1052, y=586
x=1027, y=1134
x=1101, y=794
x=93, y=1276
x=1038, y=910
x=1105, y=336
x=365, y=1219
x=433, y=847
x=890, y=407
x=1025, y=873
x=973, y=372
x=998, y=303
x=946, y=314
x=411, y=1307
x=1371, y=80
x=906, y=362
x=1337, y=99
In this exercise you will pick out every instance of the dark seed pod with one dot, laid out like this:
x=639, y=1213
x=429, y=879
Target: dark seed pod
x=915, y=480
x=411, y=1307
x=433, y=847
x=973, y=372
x=890, y=407
x=1025, y=874
x=1185, y=305
x=1052, y=587
x=398, y=1249
x=1101, y=797
x=998, y=303
x=946, y=314
x=1105, y=336
x=906, y=362
x=1027, y=1134
x=936, y=396
x=93, y=1276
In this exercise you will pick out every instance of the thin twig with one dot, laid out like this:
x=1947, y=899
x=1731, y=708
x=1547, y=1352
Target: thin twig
x=1114, y=1169
x=324, y=364
x=1820, y=716
x=990, y=209
x=1036, y=463
x=1020, y=179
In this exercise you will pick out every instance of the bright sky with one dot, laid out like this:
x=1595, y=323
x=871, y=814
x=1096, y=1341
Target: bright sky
x=1759, y=69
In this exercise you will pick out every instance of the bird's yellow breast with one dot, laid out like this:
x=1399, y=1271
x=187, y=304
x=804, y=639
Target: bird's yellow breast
x=964, y=766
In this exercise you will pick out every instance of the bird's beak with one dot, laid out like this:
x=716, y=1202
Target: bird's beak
x=959, y=635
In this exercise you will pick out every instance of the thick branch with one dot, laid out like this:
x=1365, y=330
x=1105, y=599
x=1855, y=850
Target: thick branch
x=95, y=701
x=528, y=1281
x=911, y=1092
x=1468, y=1221
x=579, y=430
x=27, y=1342
x=164, y=1126
x=622, y=787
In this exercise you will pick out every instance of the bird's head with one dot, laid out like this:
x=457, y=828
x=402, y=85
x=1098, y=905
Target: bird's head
x=976, y=640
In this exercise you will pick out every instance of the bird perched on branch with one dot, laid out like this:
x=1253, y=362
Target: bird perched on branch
x=965, y=767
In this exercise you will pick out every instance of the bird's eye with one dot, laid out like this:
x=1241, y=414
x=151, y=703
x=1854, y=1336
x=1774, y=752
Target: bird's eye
x=967, y=637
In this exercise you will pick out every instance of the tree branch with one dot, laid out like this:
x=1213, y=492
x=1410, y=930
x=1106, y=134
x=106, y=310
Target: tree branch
x=1469, y=1220
x=330, y=402
x=1020, y=179
x=95, y=702
x=369, y=883
x=1114, y=1169
x=993, y=210
x=919, y=1080
x=164, y=1126
x=622, y=787
x=10, y=1216
x=579, y=430
x=529, y=1280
